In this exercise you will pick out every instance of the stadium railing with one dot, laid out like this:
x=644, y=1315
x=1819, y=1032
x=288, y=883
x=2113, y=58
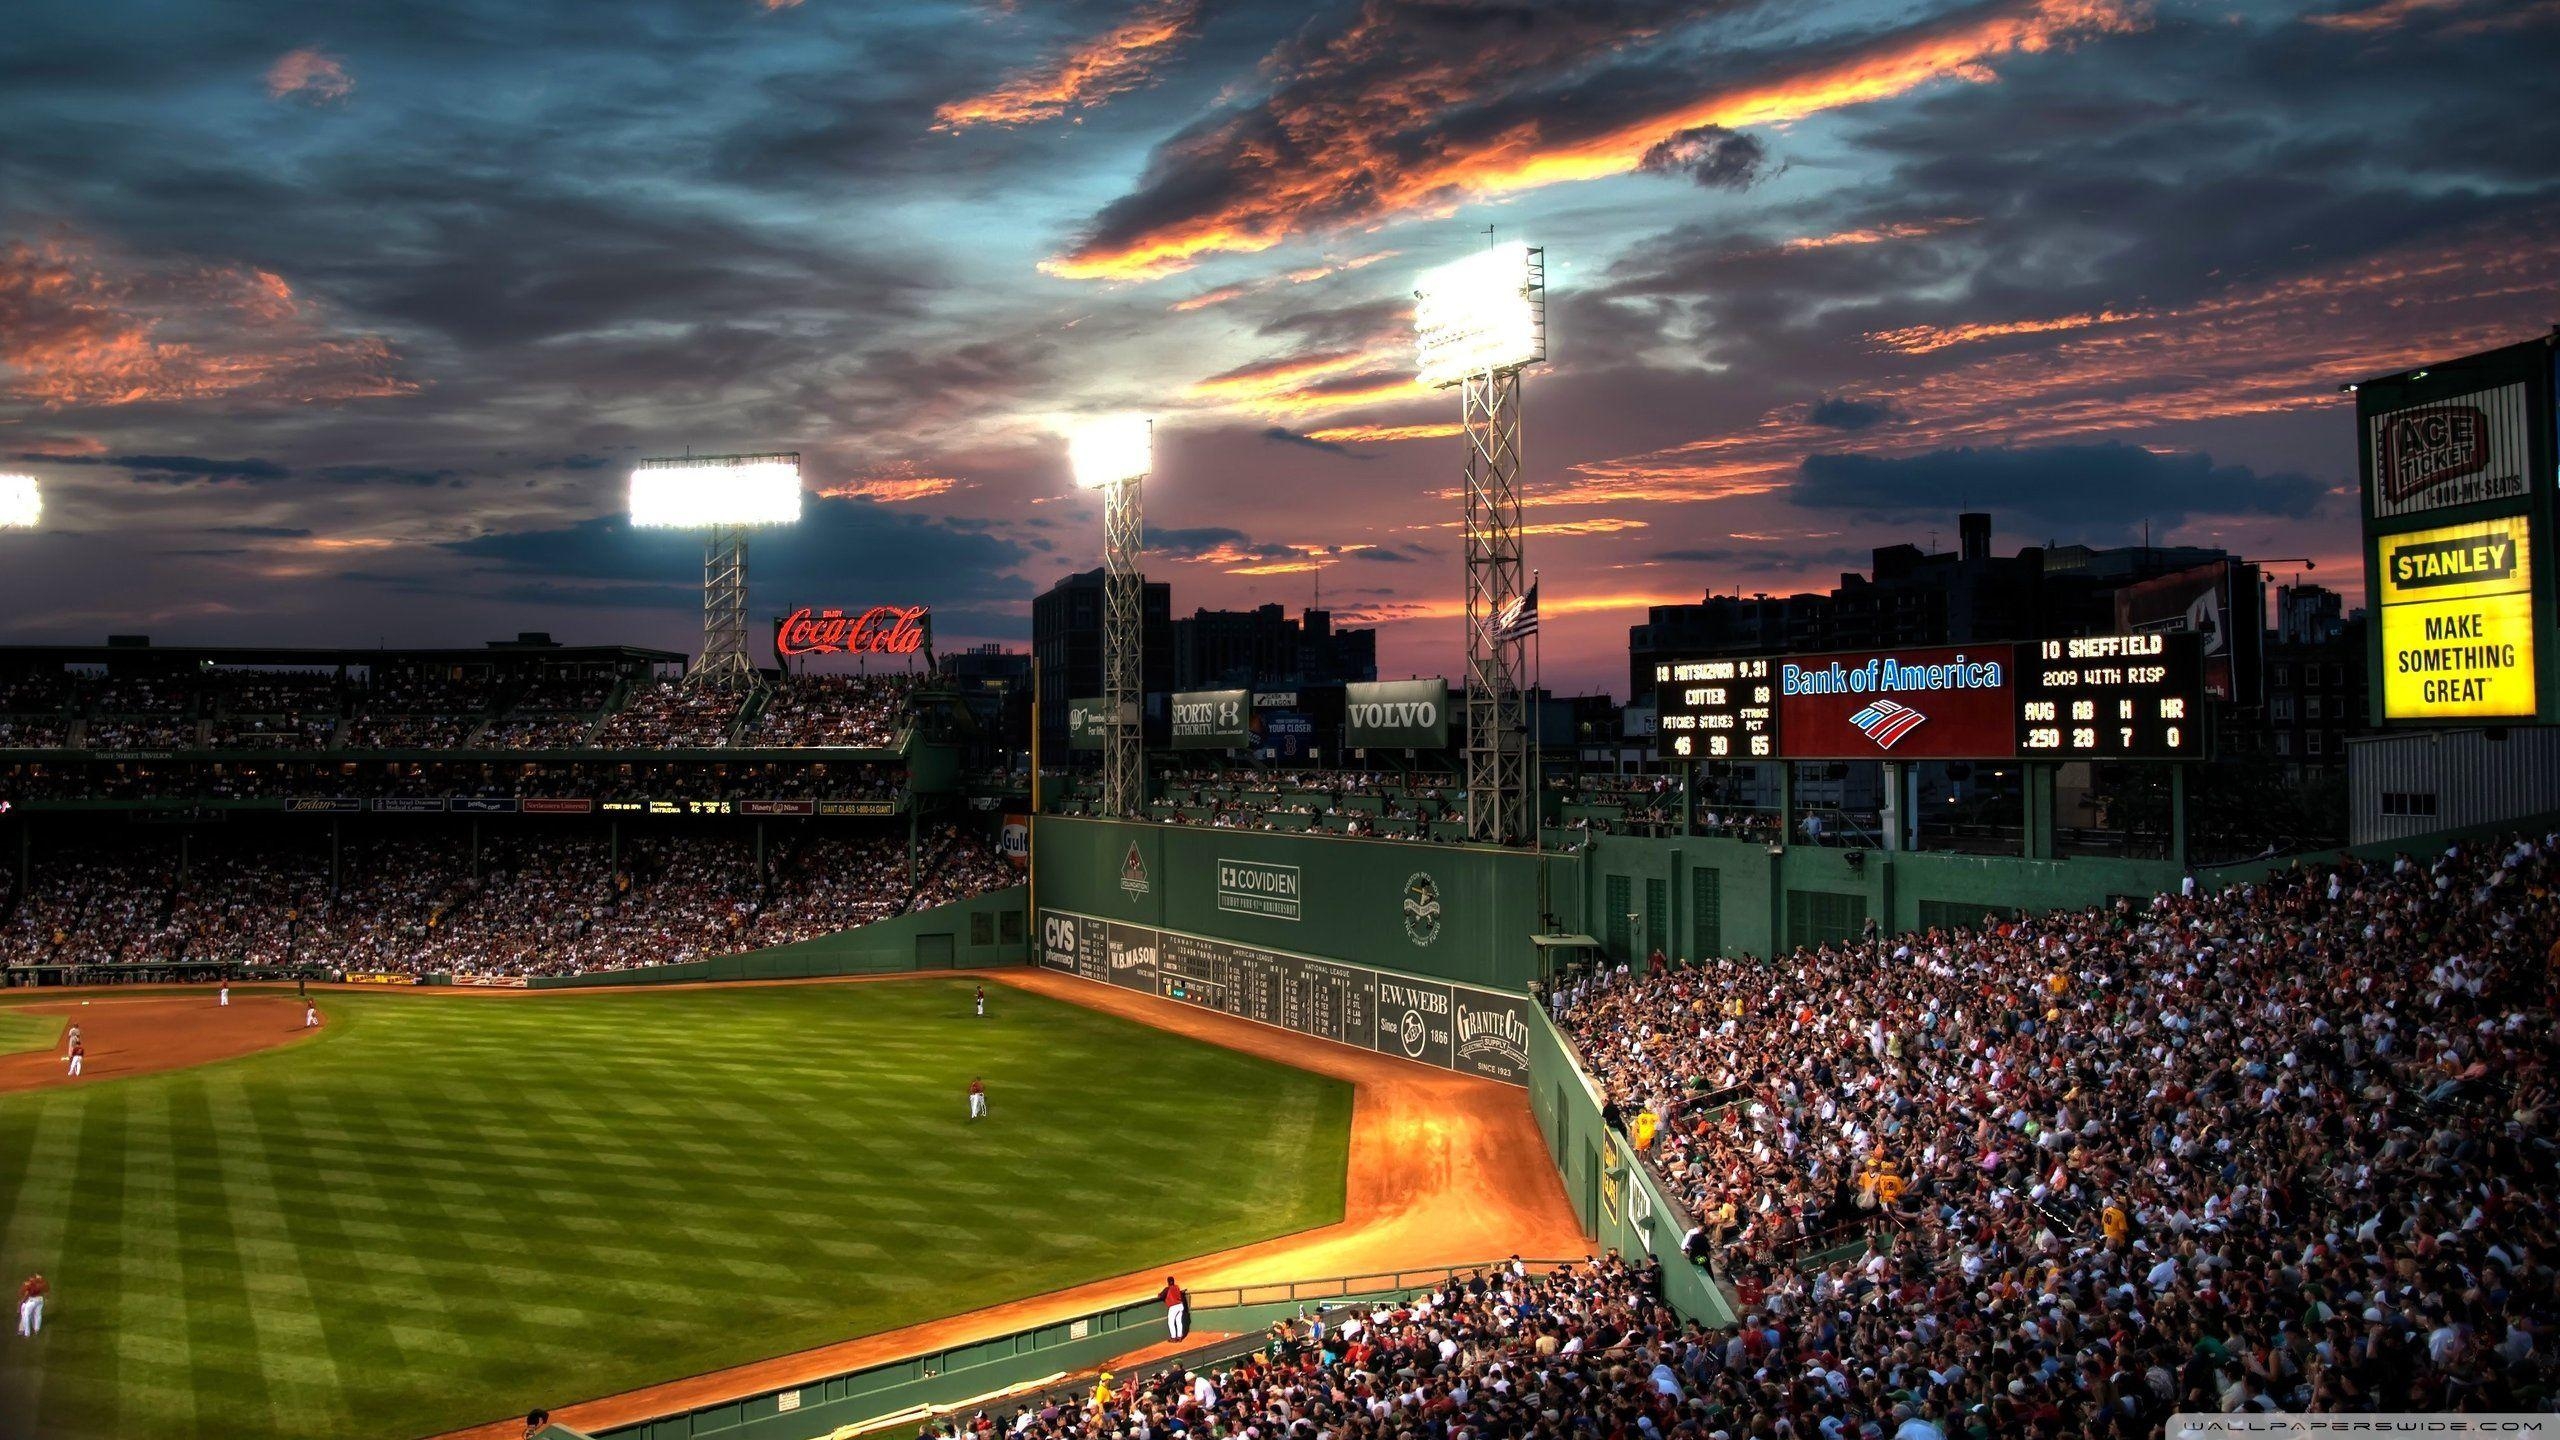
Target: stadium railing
x=877, y=1395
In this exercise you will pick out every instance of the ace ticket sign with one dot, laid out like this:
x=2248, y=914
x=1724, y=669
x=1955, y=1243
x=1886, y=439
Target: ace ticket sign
x=2457, y=622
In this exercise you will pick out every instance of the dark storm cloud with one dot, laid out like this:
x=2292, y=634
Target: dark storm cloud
x=1848, y=414
x=1195, y=541
x=387, y=475
x=1711, y=155
x=188, y=469
x=2081, y=486
x=893, y=551
x=1768, y=557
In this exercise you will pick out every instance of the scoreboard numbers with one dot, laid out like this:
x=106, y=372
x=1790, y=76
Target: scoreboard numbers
x=2111, y=697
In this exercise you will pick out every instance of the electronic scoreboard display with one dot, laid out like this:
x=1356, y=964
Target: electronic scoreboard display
x=1715, y=710
x=2111, y=697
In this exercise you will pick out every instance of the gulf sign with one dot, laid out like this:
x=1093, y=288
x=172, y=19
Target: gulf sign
x=1938, y=703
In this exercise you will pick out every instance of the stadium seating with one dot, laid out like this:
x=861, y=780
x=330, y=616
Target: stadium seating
x=2284, y=1143
x=241, y=708
x=533, y=904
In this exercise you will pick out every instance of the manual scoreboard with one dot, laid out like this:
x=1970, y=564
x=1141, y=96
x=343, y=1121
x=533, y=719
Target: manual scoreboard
x=2111, y=697
x=1715, y=710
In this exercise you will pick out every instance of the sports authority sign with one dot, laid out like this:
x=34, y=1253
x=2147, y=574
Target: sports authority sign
x=1920, y=704
x=2459, y=451
x=879, y=630
x=1434, y=1022
x=1212, y=720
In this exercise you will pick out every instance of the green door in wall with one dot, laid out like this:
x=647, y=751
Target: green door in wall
x=1706, y=914
x=1614, y=924
x=936, y=952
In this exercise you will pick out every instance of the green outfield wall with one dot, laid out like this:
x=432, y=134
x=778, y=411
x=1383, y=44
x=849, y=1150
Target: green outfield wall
x=1616, y=1199
x=1695, y=897
x=1348, y=897
x=989, y=929
x=982, y=1367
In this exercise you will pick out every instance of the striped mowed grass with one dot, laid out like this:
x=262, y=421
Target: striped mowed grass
x=447, y=1209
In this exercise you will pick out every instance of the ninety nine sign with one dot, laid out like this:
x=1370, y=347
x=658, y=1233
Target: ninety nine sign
x=880, y=630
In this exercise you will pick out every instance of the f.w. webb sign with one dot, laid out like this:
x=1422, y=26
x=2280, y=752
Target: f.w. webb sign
x=1396, y=714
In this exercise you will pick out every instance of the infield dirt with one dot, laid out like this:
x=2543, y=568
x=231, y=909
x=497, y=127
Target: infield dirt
x=138, y=1034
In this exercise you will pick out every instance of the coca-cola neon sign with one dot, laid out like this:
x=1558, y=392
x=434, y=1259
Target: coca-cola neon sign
x=880, y=630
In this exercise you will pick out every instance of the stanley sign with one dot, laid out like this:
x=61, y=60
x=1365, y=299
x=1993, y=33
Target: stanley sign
x=2457, y=622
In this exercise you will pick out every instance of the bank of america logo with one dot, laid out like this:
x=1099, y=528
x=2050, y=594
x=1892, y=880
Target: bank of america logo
x=1886, y=721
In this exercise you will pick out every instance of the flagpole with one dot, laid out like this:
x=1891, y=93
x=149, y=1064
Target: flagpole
x=1538, y=765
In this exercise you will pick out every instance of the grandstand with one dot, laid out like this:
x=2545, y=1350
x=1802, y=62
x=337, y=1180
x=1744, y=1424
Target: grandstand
x=523, y=810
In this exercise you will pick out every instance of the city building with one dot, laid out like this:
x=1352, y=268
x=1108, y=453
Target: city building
x=1912, y=596
x=1266, y=646
x=1066, y=640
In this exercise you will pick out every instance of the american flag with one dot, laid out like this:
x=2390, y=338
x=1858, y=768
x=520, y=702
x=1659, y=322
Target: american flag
x=1518, y=617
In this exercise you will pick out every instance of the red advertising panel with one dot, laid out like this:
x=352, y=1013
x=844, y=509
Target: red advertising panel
x=1925, y=703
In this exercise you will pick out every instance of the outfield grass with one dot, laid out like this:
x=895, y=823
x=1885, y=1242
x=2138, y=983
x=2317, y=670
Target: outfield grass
x=27, y=1032
x=444, y=1210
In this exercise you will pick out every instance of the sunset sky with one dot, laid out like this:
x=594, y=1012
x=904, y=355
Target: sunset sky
x=332, y=323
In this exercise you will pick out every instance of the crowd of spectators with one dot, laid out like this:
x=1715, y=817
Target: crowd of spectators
x=281, y=709
x=2286, y=1143
x=670, y=715
x=1585, y=1350
x=866, y=711
x=527, y=902
x=599, y=780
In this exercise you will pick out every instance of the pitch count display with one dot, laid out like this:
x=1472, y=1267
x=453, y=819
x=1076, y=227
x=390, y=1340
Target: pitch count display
x=1715, y=710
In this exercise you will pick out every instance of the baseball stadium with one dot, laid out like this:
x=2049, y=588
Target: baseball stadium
x=915, y=982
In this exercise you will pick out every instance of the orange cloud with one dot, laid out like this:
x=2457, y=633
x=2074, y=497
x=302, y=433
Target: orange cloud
x=1310, y=158
x=1207, y=298
x=1119, y=59
x=891, y=484
x=1907, y=230
x=1921, y=339
x=79, y=326
x=2389, y=15
x=315, y=75
x=2260, y=349
x=1379, y=434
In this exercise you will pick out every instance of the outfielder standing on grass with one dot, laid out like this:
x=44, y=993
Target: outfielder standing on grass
x=31, y=1304
x=977, y=1098
x=982, y=1002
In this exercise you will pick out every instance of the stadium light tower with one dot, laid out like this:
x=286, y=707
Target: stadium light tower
x=1113, y=455
x=1478, y=323
x=21, y=502
x=725, y=496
